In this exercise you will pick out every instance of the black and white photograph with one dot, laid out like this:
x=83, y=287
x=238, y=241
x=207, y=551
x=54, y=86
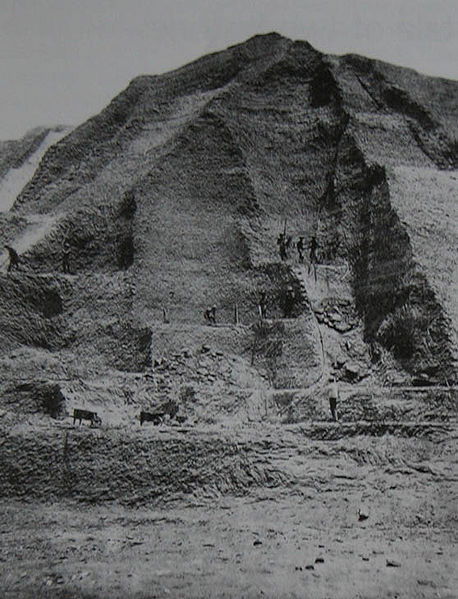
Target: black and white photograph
x=228, y=299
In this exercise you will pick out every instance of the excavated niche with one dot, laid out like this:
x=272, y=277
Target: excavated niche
x=281, y=277
x=125, y=240
x=50, y=304
x=31, y=397
x=324, y=89
x=85, y=315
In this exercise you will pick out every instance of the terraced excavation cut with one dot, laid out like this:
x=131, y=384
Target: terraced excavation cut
x=187, y=279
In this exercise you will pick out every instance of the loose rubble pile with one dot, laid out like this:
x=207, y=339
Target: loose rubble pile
x=338, y=314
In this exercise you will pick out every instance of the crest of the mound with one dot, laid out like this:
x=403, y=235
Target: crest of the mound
x=171, y=201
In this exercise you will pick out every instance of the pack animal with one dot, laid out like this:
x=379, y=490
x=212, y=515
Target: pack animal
x=92, y=417
x=169, y=408
x=155, y=418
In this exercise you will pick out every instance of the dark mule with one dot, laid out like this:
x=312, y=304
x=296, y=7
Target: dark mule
x=81, y=415
x=155, y=418
x=169, y=408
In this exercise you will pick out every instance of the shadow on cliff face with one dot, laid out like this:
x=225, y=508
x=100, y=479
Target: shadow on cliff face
x=35, y=397
x=398, y=306
x=400, y=309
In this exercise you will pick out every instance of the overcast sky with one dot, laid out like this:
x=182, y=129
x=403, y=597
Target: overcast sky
x=63, y=60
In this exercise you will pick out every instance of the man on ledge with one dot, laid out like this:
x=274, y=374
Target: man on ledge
x=333, y=395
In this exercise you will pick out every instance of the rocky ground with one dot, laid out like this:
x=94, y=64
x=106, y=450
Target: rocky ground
x=346, y=510
x=357, y=517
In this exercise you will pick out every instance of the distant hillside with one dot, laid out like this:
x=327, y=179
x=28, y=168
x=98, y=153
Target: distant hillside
x=20, y=158
x=174, y=195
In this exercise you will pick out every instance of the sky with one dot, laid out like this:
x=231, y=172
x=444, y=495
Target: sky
x=61, y=61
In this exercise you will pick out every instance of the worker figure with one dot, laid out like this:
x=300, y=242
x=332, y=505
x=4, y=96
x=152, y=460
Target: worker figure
x=300, y=249
x=333, y=395
x=165, y=308
x=281, y=242
x=66, y=250
x=210, y=315
x=14, y=258
x=262, y=306
x=288, y=242
x=313, y=247
x=207, y=315
x=313, y=257
x=289, y=302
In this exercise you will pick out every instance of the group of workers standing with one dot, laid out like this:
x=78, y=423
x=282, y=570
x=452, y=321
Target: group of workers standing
x=210, y=315
x=285, y=243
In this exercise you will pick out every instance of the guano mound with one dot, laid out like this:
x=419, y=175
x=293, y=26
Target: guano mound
x=172, y=198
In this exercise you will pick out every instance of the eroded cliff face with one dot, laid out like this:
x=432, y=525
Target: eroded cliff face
x=381, y=222
x=173, y=196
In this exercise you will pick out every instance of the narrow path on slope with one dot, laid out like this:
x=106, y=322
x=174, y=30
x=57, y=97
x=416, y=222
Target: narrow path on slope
x=316, y=286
